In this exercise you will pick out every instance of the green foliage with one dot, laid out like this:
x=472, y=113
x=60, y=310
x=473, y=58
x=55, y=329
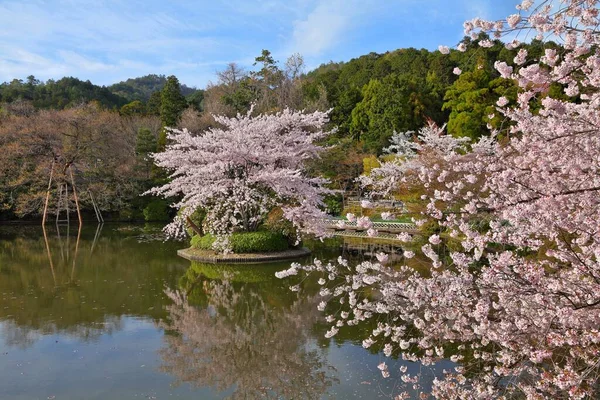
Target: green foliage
x=161, y=142
x=471, y=99
x=157, y=210
x=265, y=81
x=369, y=164
x=424, y=76
x=246, y=242
x=242, y=96
x=195, y=99
x=334, y=204
x=172, y=102
x=145, y=142
x=64, y=93
x=346, y=102
x=143, y=87
x=269, y=74
x=154, y=104
x=136, y=107
x=395, y=103
x=249, y=242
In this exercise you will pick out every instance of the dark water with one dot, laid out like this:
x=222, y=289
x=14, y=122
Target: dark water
x=117, y=315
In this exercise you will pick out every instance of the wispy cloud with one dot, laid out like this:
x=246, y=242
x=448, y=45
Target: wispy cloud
x=321, y=29
x=109, y=40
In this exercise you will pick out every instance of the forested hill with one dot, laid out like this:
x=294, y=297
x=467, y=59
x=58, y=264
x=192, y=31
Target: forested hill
x=142, y=88
x=60, y=94
x=376, y=94
x=69, y=91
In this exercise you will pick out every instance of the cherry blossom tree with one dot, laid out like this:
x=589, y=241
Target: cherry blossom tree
x=513, y=291
x=243, y=169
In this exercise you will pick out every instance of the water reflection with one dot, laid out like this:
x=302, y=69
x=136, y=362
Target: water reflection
x=95, y=322
x=79, y=282
x=68, y=247
x=244, y=335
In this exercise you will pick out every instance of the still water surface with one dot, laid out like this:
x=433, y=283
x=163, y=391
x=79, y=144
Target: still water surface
x=118, y=315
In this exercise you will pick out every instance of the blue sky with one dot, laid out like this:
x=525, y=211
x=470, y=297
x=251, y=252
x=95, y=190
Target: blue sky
x=107, y=41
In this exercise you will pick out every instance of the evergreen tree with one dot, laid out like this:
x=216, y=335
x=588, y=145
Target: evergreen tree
x=195, y=99
x=472, y=99
x=154, y=102
x=145, y=144
x=395, y=103
x=267, y=80
x=136, y=107
x=172, y=102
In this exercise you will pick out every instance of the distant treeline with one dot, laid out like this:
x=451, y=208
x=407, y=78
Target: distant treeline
x=60, y=94
x=69, y=91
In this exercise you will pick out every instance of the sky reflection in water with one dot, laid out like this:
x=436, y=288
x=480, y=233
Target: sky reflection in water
x=118, y=315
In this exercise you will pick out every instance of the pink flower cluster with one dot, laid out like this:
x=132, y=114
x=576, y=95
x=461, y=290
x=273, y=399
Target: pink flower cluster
x=239, y=172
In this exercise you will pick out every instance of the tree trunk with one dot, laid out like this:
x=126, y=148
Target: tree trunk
x=194, y=227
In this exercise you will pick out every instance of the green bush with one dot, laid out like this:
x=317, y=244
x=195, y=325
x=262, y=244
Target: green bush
x=334, y=204
x=246, y=242
x=157, y=210
x=202, y=242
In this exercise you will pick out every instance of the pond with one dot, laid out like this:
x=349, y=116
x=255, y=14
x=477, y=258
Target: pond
x=112, y=312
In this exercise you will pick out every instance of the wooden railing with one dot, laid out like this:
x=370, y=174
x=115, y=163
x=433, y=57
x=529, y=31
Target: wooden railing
x=382, y=227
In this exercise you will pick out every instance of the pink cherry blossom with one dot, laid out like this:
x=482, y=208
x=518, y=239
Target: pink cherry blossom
x=387, y=215
x=502, y=101
x=382, y=257
x=515, y=296
x=239, y=172
x=366, y=204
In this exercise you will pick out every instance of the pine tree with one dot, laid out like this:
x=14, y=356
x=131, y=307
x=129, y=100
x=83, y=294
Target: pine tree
x=172, y=104
x=145, y=144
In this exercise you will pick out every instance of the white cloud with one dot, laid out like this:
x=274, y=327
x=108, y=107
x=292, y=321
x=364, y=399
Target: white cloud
x=476, y=8
x=79, y=62
x=18, y=63
x=103, y=39
x=321, y=29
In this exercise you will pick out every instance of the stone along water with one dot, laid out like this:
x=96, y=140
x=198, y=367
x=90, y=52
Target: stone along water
x=116, y=314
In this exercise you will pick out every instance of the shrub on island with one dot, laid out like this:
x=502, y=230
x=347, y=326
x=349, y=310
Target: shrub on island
x=246, y=242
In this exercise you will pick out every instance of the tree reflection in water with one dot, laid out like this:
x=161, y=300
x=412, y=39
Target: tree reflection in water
x=33, y=304
x=82, y=284
x=241, y=338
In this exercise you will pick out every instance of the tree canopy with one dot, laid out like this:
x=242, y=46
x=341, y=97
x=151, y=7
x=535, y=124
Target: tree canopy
x=238, y=173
